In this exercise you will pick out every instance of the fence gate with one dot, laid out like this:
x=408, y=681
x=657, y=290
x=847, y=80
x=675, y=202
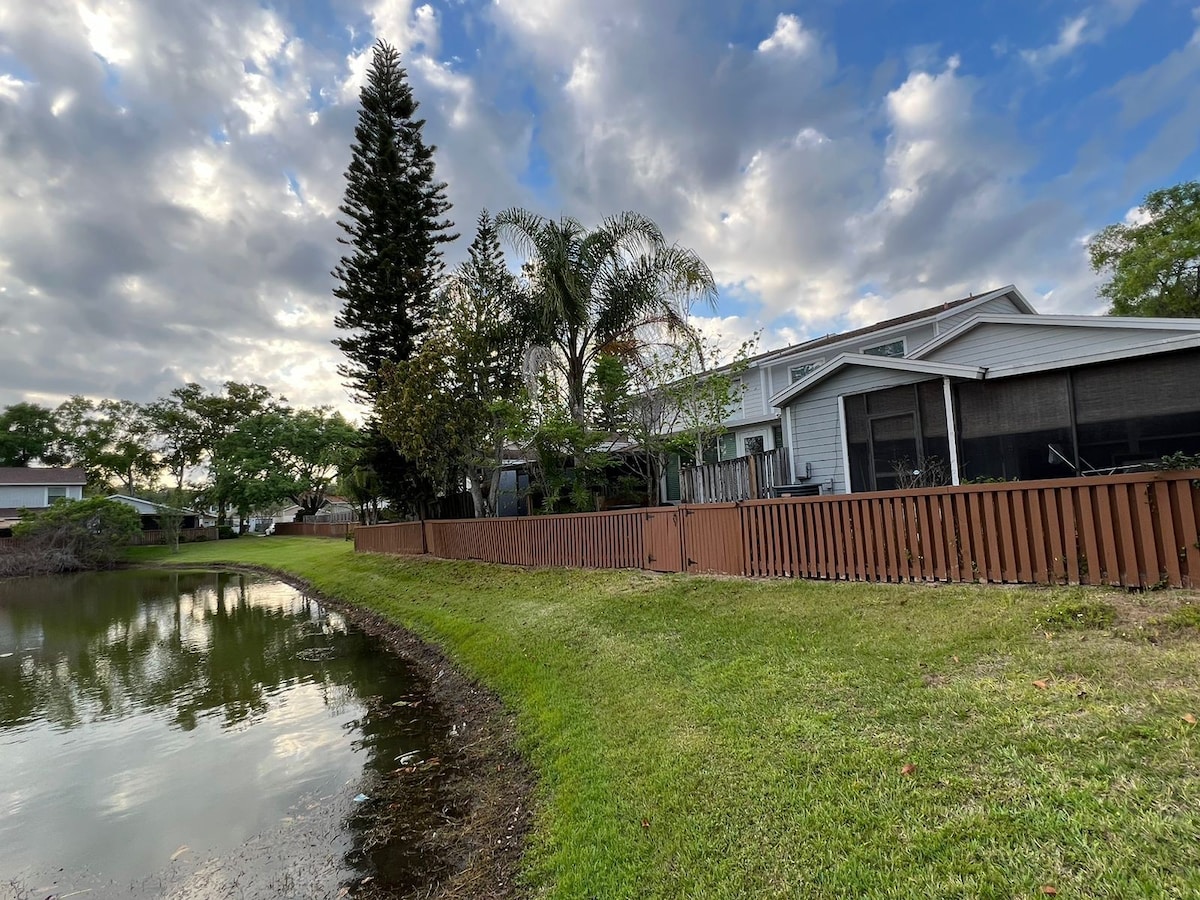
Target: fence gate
x=712, y=539
x=662, y=540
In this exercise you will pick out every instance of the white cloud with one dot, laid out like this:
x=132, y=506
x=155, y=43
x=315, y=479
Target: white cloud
x=789, y=38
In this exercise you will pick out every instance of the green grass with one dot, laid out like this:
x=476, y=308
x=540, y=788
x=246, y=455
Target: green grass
x=762, y=727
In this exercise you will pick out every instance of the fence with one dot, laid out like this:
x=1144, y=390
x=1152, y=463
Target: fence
x=1138, y=530
x=186, y=535
x=315, y=529
x=745, y=478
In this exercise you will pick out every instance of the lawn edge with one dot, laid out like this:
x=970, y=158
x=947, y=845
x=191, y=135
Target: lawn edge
x=492, y=782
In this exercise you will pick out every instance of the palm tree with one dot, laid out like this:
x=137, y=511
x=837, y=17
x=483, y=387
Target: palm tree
x=603, y=291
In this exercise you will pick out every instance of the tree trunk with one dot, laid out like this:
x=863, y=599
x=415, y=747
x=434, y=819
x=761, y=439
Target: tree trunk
x=477, y=496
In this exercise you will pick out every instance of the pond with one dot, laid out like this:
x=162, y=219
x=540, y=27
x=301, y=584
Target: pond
x=202, y=734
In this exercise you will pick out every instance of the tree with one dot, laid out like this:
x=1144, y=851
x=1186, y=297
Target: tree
x=394, y=226
x=27, y=434
x=282, y=454
x=453, y=408
x=178, y=427
x=1154, y=262
x=110, y=440
x=75, y=534
x=603, y=291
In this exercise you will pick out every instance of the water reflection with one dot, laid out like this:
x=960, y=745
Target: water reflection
x=142, y=712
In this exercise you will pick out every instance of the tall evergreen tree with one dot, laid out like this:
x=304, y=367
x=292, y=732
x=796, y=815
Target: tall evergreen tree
x=394, y=226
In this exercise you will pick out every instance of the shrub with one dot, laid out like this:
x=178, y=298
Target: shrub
x=1069, y=615
x=226, y=533
x=70, y=535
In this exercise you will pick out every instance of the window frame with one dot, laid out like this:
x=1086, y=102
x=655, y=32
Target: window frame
x=902, y=341
x=808, y=367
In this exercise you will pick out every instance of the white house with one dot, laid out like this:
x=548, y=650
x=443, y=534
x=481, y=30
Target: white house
x=1001, y=396
x=36, y=488
x=757, y=424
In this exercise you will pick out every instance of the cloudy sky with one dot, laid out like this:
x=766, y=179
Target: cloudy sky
x=170, y=169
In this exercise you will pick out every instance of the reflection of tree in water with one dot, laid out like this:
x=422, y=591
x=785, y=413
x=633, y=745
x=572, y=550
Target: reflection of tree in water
x=191, y=643
x=190, y=646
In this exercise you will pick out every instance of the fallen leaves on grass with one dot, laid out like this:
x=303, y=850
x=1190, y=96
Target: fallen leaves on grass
x=1049, y=890
x=1189, y=718
x=1041, y=684
x=645, y=824
x=908, y=768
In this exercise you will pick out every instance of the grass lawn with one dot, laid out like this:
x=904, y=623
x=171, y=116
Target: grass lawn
x=715, y=738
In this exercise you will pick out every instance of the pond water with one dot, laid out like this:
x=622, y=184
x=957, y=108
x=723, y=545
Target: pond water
x=201, y=734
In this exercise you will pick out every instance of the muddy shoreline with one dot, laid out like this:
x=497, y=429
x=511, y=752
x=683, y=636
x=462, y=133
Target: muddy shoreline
x=474, y=847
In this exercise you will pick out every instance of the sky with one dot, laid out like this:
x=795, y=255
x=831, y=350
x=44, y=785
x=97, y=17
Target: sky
x=170, y=170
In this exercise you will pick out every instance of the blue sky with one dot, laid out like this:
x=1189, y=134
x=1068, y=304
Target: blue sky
x=172, y=170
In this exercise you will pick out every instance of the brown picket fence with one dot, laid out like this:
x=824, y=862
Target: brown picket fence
x=186, y=535
x=1140, y=530
x=314, y=529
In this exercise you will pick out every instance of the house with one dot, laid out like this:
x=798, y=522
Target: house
x=151, y=513
x=36, y=488
x=998, y=396
x=756, y=424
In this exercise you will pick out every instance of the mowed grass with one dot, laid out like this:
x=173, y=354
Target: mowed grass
x=719, y=738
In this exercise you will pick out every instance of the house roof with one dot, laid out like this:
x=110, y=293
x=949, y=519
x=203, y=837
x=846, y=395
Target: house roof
x=37, y=475
x=903, y=364
x=1186, y=334
x=139, y=501
x=931, y=312
x=1185, y=326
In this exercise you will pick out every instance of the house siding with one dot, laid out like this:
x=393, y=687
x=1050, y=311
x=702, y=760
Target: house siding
x=1000, y=345
x=815, y=420
x=999, y=306
x=14, y=496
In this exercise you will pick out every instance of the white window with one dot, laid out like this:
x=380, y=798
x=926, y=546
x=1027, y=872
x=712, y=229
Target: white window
x=802, y=370
x=894, y=348
x=55, y=492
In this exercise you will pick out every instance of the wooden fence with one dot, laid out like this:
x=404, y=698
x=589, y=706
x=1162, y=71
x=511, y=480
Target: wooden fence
x=186, y=535
x=1138, y=530
x=315, y=529
x=745, y=478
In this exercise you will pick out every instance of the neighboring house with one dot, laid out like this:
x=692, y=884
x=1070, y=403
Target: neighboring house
x=755, y=424
x=1000, y=396
x=334, y=509
x=36, y=488
x=151, y=512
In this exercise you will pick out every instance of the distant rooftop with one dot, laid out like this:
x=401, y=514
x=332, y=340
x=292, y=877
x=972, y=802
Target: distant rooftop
x=41, y=475
x=817, y=343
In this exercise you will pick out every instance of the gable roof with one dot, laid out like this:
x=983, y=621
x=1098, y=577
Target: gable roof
x=957, y=307
x=136, y=502
x=903, y=364
x=1184, y=326
x=38, y=475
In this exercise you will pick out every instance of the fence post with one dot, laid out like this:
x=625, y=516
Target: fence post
x=753, y=467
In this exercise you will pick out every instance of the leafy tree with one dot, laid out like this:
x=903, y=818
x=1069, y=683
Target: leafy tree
x=110, y=440
x=675, y=402
x=179, y=428
x=1154, y=264
x=394, y=226
x=27, y=434
x=603, y=291
x=77, y=534
x=454, y=406
x=218, y=416
x=282, y=454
